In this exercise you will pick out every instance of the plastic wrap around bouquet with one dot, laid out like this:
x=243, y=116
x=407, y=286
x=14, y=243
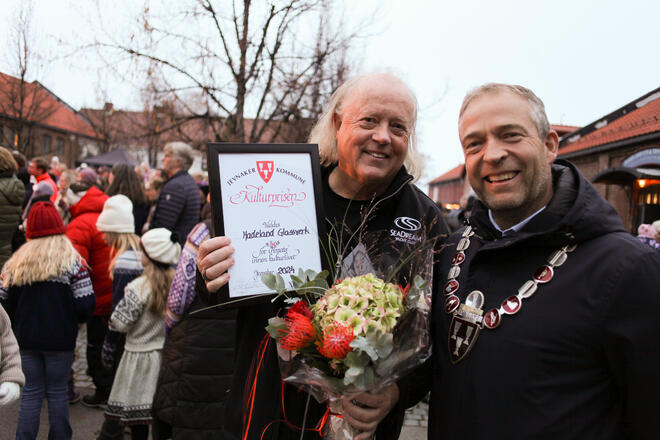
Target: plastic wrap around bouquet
x=361, y=334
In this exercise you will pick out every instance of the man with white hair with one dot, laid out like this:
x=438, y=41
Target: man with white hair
x=179, y=202
x=366, y=139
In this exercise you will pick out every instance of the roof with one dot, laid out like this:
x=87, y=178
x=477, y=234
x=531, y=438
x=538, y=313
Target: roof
x=453, y=174
x=563, y=129
x=41, y=106
x=135, y=128
x=637, y=118
x=625, y=175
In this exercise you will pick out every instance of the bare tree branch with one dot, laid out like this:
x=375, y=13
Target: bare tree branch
x=251, y=71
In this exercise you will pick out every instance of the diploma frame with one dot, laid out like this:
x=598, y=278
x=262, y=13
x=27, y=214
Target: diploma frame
x=216, y=150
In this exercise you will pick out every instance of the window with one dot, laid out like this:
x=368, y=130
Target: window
x=59, y=146
x=45, y=143
x=648, y=204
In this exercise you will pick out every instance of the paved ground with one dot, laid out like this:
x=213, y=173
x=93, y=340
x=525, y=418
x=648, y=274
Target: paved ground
x=86, y=422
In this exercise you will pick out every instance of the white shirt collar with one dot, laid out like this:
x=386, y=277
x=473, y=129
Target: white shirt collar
x=515, y=228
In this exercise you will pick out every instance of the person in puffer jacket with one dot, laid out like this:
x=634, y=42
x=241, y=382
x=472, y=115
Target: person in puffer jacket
x=86, y=203
x=178, y=204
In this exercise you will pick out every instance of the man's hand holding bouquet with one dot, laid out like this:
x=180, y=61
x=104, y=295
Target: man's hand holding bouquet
x=357, y=336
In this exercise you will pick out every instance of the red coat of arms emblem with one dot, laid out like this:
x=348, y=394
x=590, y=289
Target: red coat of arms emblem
x=462, y=335
x=265, y=169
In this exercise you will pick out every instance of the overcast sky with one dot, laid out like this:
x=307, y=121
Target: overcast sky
x=584, y=58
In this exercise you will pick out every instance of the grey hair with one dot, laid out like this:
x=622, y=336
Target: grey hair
x=323, y=133
x=181, y=150
x=537, y=109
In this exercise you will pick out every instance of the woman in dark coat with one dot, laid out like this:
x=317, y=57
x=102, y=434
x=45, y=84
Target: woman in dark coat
x=197, y=363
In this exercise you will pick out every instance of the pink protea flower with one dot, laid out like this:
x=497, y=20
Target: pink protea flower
x=299, y=333
x=336, y=340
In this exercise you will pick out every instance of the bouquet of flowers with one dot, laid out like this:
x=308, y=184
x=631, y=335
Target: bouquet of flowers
x=360, y=334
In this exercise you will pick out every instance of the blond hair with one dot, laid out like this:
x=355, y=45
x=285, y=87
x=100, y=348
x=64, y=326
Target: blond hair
x=120, y=242
x=159, y=276
x=323, y=133
x=40, y=259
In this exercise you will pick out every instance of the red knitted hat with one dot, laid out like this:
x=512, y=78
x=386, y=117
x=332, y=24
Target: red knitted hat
x=44, y=220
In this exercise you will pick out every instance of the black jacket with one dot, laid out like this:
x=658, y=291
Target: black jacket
x=385, y=228
x=196, y=372
x=580, y=358
x=178, y=206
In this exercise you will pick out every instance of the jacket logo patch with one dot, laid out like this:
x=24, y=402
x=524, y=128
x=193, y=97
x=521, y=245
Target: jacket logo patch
x=265, y=169
x=407, y=224
x=407, y=230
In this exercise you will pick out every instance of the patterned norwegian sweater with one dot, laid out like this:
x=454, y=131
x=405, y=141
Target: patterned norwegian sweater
x=182, y=291
x=649, y=241
x=127, y=268
x=144, y=329
x=45, y=315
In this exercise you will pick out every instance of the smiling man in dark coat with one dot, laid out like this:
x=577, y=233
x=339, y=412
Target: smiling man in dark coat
x=546, y=320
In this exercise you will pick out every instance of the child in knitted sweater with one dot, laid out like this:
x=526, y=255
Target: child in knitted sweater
x=117, y=223
x=140, y=314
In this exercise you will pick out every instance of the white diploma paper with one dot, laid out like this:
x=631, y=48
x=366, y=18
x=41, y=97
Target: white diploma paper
x=269, y=213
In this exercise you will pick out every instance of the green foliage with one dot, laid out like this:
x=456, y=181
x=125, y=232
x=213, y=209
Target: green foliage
x=305, y=283
x=274, y=326
x=309, y=282
x=372, y=349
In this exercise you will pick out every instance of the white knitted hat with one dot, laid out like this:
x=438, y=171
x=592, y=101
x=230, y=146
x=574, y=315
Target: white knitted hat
x=161, y=245
x=656, y=226
x=117, y=215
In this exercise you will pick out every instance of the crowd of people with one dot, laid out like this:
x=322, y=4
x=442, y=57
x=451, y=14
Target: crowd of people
x=99, y=247
x=543, y=313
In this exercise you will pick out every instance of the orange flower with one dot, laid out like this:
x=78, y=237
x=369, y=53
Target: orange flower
x=299, y=332
x=336, y=341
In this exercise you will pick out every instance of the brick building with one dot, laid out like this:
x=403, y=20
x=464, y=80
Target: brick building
x=36, y=122
x=620, y=153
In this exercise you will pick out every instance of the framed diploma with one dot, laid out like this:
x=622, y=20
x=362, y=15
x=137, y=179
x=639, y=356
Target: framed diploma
x=267, y=199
